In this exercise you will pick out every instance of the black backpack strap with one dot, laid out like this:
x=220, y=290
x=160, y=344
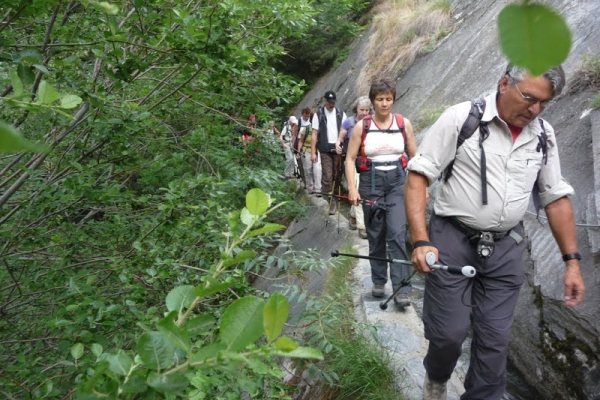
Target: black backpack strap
x=466, y=131
x=535, y=191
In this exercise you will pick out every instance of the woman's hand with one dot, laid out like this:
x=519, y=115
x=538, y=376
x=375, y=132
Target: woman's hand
x=353, y=196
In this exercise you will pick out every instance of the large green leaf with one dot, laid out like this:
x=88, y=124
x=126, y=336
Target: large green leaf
x=239, y=257
x=533, y=36
x=257, y=201
x=241, y=323
x=265, y=229
x=286, y=344
x=46, y=94
x=156, y=350
x=199, y=324
x=180, y=298
x=70, y=101
x=26, y=74
x=167, y=383
x=175, y=334
x=11, y=141
x=119, y=364
x=77, y=351
x=16, y=83
x=211, y=287
x=274, y=315
x=302, y=352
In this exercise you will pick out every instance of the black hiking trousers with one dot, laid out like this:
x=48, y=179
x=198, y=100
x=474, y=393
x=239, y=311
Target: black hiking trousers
x=490, y=297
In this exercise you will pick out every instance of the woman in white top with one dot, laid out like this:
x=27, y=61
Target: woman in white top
x=388, y=138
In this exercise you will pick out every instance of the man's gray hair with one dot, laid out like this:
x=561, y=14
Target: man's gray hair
x=362, y=101
x=555, y=75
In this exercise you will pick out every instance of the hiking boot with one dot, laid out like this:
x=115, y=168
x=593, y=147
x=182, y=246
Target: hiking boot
x=433, y=390
x=362, y=233
x=378, y=290
x=401, y=300
x=332, y=208
x=352, y=223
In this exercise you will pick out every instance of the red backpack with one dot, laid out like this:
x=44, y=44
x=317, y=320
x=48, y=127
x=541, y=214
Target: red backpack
x=362, y=161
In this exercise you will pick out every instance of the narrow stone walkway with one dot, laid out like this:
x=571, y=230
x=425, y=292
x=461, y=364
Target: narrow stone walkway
x=400, y=331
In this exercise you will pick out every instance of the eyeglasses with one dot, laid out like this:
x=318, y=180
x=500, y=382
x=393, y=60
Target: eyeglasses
x=532, y=100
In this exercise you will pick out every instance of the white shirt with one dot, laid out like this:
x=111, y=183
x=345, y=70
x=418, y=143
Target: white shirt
x=512, y=169
x=332, y=128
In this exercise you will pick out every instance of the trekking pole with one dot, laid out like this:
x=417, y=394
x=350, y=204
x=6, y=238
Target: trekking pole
x=467, y=270
x=342, y=197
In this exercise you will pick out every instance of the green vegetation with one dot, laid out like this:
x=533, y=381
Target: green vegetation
x=356, y=366
x=595, y=104
x=427, y=117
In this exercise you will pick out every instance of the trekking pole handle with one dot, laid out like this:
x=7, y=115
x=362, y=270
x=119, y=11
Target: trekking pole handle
x=467, y=270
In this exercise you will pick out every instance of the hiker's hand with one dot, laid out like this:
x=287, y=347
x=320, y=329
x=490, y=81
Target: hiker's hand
x=418, y=258
x=338, y=148
x=297, y=155
x=313, y=157
x=353, y=196
x=574, y=287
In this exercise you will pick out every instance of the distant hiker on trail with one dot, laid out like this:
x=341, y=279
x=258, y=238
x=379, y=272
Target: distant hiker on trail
x=381, y=140
x=287, y=137
x=273, y=130
x=477, y=220
x=362, y=107
x=312, y=170
x=326, y=125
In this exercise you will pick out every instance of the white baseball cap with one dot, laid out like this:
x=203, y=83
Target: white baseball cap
x=293, y=120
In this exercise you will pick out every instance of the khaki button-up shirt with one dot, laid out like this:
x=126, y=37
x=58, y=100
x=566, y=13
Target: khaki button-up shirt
x=512, y=169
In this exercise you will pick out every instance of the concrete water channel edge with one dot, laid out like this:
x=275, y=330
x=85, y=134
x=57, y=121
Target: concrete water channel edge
x=399, y=331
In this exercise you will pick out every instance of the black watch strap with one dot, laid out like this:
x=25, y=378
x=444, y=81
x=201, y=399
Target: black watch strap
x=571, y=256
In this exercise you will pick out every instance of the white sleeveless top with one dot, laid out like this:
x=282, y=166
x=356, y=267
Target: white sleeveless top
x=382, y=146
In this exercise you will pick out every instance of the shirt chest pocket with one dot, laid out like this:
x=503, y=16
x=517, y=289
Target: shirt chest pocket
x=523, y=169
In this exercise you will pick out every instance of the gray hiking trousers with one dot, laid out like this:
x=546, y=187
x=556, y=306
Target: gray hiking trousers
x=493, y=295
x=387, y=226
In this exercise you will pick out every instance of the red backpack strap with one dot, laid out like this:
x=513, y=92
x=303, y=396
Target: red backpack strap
x=366, y=125
x=400, y=122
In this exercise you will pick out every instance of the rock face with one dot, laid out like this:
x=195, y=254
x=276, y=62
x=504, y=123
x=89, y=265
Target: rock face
x=557, y=349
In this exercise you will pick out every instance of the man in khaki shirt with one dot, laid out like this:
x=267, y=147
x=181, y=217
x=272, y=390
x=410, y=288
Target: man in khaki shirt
x=477, y=221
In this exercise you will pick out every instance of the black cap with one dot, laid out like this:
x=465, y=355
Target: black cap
x=330, y=96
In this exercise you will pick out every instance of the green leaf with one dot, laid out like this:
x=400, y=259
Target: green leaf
x=26, y=74
x=97, y=349
x=31, y=55
x=167, y=383
x=199, y=324
x=211, y=287
x=156, y=350
x=302, y=352
x=207, y=352
x=274, y=315
x=175, y=334
x=119, y=364
x=239, y=257
x=77, y=351
x=265, y=229
x=46, y=93
x=16, y=83
x=241, y=323
x=286, y=344
x=70, y=101
x=180, y=298
x=41, y=68
x=247, y=217
x=11, y=141
x=257, y=201
x=533, y=36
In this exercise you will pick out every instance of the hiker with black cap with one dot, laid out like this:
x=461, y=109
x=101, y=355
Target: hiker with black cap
x=477, y=220
x=326, y=125
x=382, y=141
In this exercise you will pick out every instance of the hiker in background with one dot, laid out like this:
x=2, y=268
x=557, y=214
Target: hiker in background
x=273, y=129
x=287, y=136
x=312, y=170
x=382, y=140
x=326, y=125
x=362, y=107
x=477, y=220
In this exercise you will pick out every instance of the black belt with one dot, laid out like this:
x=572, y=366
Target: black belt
x=474, y=234
x=395, y=163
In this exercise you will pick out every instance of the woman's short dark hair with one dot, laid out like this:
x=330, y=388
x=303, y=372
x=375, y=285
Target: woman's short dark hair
x=382, y=86
x=305, y=110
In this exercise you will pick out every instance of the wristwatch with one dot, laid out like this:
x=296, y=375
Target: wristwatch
x=571, y=256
